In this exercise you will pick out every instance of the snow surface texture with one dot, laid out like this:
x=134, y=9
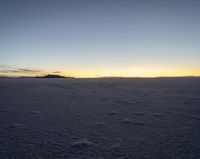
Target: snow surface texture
x=100, y=118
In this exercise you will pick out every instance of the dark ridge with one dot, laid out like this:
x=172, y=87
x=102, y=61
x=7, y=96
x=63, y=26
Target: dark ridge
x=52, y=76
x=4, y=77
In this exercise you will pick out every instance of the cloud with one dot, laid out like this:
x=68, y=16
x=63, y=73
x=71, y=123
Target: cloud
x=12, y=71
x=5, y=67
x=15, y=71
x=21, y=70
x=57, y=72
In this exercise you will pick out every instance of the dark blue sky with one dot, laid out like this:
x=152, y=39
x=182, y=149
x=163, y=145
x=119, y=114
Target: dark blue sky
x=101, y=37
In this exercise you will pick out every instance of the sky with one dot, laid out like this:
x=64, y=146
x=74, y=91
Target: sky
x=100, y=38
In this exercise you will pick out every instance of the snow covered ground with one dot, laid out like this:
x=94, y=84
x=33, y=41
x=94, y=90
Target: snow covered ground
x=100, y=118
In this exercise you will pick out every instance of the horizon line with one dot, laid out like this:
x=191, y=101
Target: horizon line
x=145, y=77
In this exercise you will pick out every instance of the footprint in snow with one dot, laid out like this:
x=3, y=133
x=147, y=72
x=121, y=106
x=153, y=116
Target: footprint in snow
x=195, y=117
x=16, y=125
x=126, y=121
x=139, y=113
x=157, y=115
x=100, y=124
x=113, y=112
x=83, y=143
x=115, y=146
x=36, y=112
x=139, y=123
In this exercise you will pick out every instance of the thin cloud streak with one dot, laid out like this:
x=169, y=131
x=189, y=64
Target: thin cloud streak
x=21, y=71
x=12, y=71
x=6, y=70
x=57, y=72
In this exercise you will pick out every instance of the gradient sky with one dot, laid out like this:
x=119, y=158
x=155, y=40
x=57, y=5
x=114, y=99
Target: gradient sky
x=92, y=38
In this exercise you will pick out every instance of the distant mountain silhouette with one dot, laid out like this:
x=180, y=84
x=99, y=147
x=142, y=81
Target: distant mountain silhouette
x=52, y=76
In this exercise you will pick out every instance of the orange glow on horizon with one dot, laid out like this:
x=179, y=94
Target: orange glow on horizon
x=113, y=72
x=132, y=72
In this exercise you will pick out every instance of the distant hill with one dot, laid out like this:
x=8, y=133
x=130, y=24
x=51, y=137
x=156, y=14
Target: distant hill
x=52, y=76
